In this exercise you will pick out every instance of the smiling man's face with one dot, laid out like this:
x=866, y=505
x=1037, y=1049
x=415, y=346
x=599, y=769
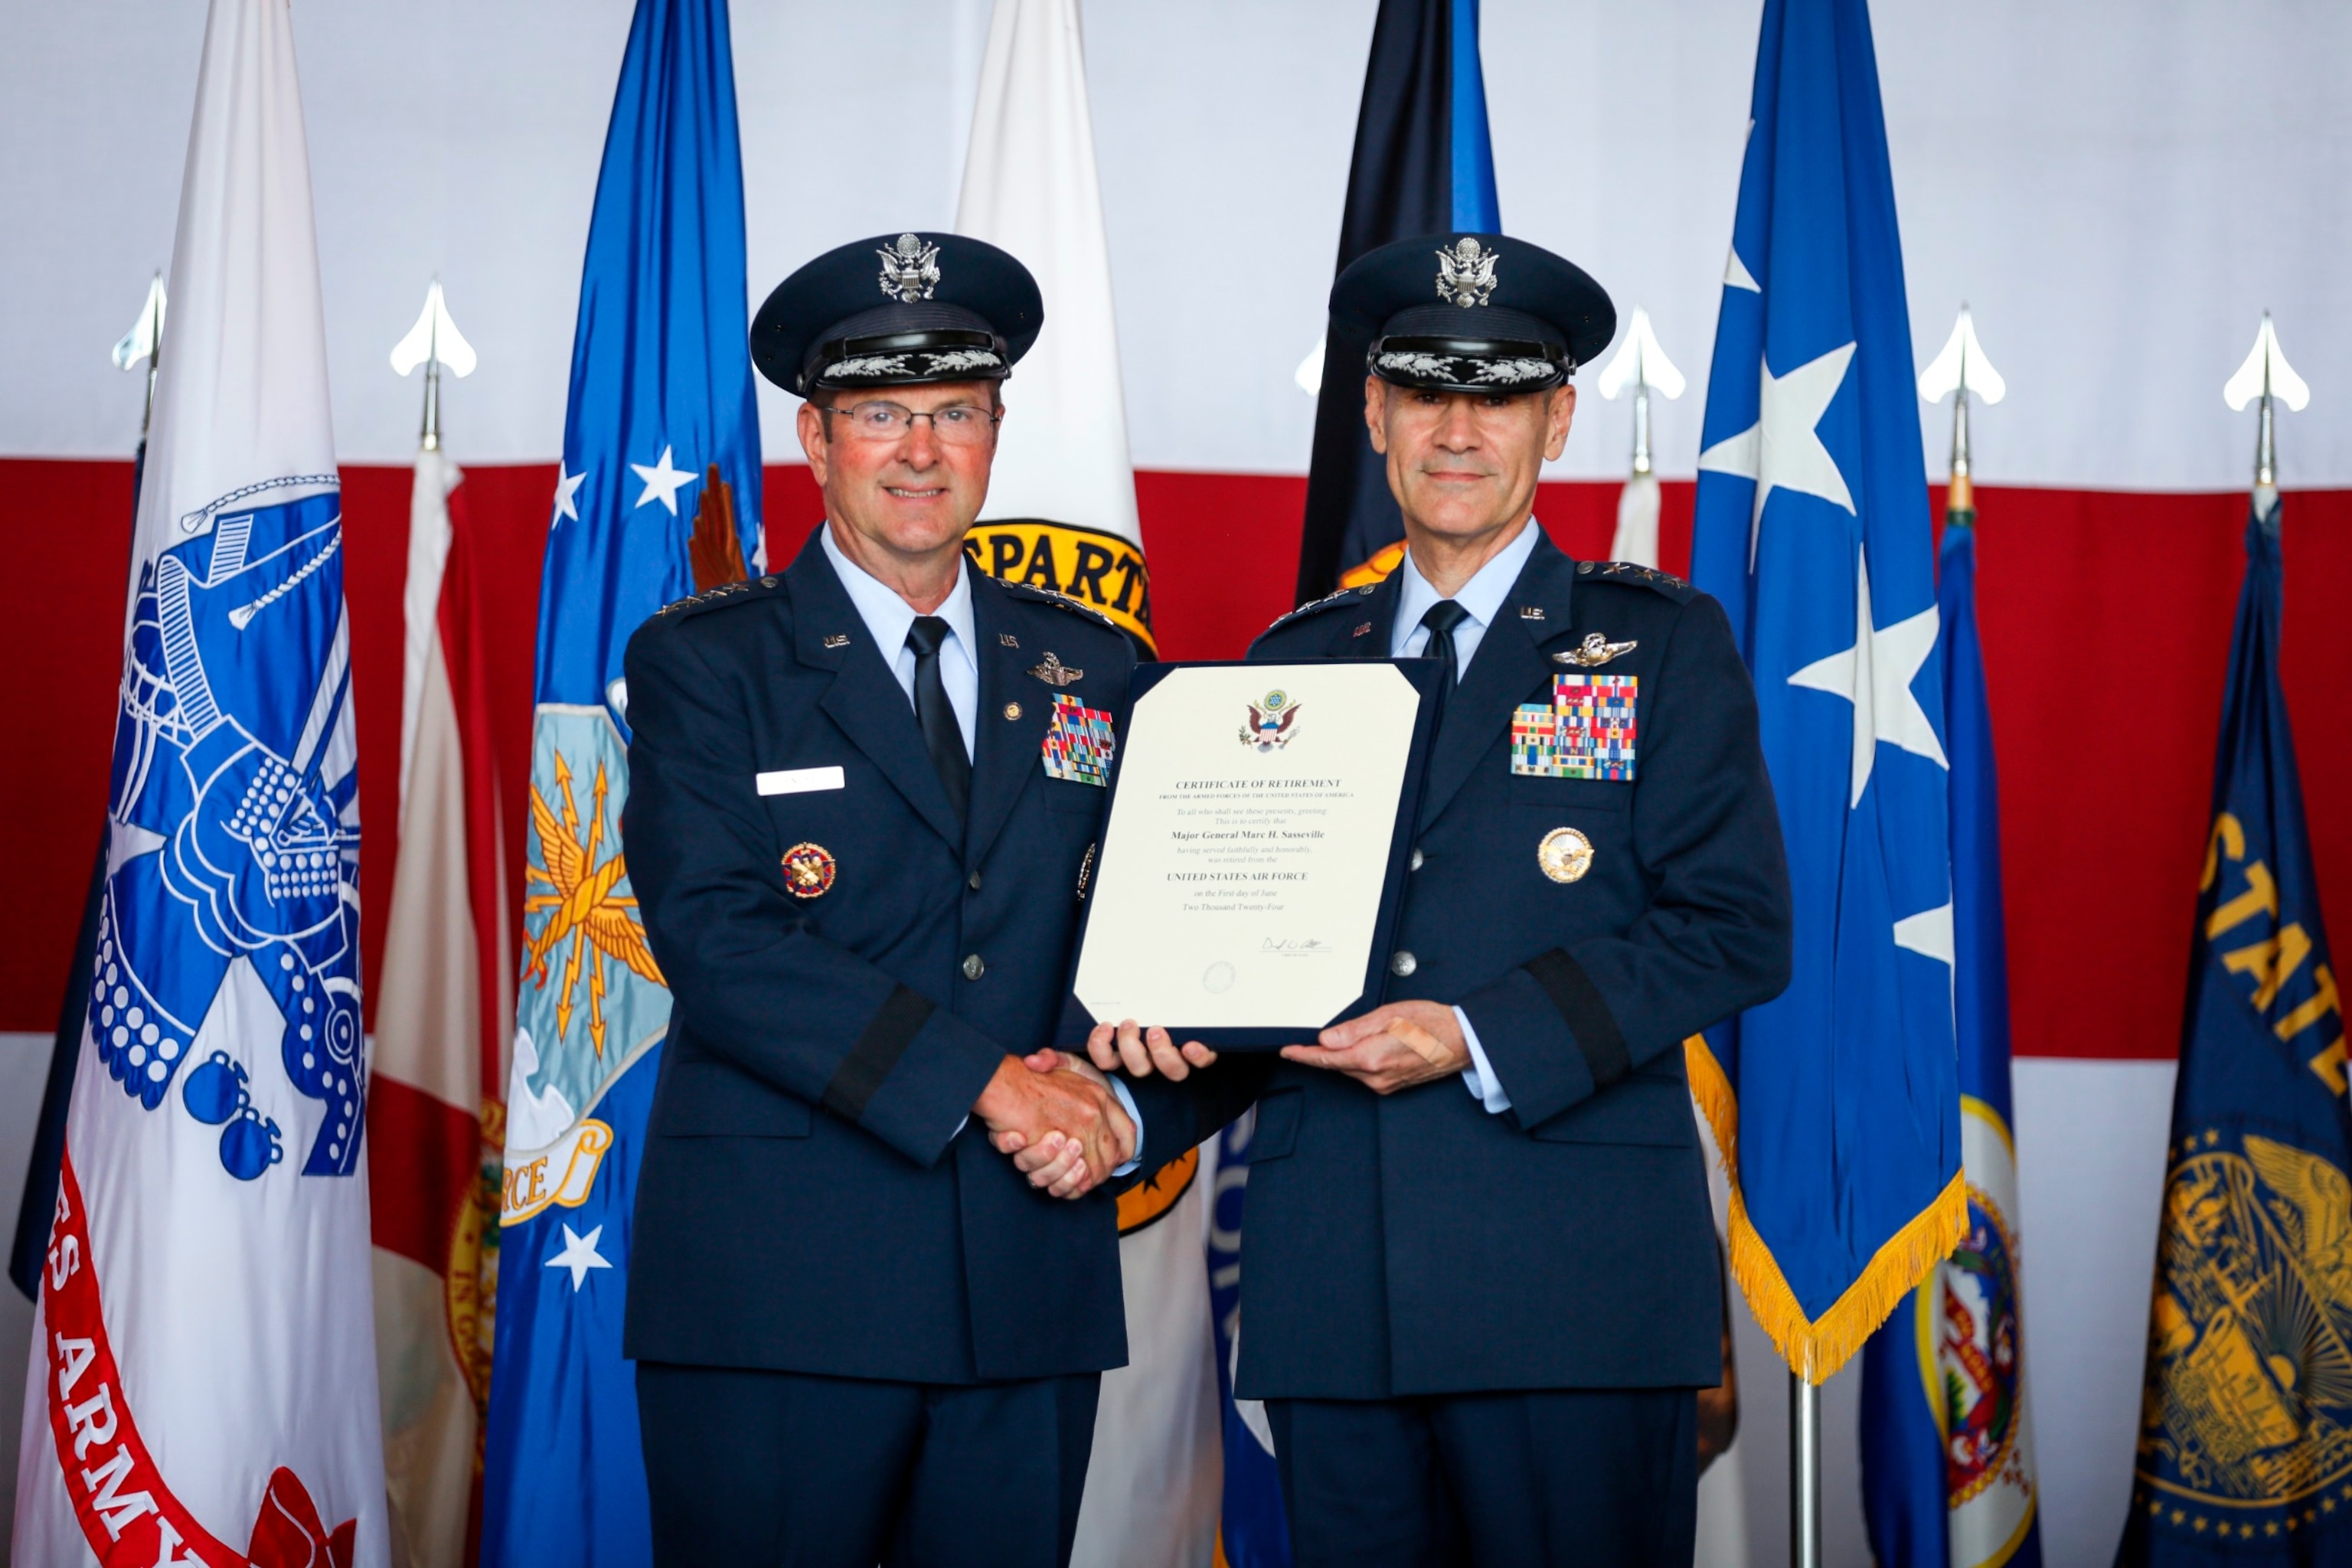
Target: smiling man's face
x=1462, y=464
x=912, y=496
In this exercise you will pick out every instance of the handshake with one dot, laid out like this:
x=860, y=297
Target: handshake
x=1059, y=1118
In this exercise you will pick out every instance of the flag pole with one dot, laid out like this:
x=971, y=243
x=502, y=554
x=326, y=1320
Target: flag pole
x=1804, y=1471
x=1962, y=371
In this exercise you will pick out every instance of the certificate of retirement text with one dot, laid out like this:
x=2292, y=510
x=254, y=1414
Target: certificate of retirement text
x=1242, y=871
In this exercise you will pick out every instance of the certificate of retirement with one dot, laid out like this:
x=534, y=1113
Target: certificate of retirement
x=1251, y=839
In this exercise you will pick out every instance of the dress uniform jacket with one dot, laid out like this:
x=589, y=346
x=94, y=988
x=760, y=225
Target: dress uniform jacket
x=1416, y=1244
x=808, y=1201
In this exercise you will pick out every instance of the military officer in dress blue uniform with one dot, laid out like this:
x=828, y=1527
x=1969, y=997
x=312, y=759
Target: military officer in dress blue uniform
x=865, y=796
x=1480, y=1280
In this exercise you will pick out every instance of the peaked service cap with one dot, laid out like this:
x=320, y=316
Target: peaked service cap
x=1471, y=313
x=897, y=311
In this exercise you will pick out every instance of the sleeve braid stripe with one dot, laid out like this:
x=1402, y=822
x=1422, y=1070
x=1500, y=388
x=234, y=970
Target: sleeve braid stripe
x=1580, y=1003
x=893, y=1027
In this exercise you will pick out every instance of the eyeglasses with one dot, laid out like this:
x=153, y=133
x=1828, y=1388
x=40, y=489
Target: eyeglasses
x=957, y=425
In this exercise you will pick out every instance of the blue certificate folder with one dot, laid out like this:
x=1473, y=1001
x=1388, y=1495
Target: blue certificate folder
x=1425, y=676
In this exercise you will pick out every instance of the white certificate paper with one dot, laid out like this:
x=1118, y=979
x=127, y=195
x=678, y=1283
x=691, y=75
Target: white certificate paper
x=1248, y=847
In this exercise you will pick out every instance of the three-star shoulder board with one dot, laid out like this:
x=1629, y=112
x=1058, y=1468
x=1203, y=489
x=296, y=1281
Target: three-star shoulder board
x=1634, y=575
x=1060, y=601
x=723, y=594
x=1344, y=596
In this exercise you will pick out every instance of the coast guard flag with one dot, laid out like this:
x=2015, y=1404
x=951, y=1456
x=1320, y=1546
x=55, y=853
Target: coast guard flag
x=1423, y=163
x=1946, y=1450
x=2246, y=1441
x=202, y=1385
x=661, y=427
x=1835, y=1104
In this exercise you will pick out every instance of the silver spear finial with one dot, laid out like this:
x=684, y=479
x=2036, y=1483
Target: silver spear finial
x=144, y=340
x=2266, y=375
x=1961, y=369
x=434, y=341
x=1642, y=364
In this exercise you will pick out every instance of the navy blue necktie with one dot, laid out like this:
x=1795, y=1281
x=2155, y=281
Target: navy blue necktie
x=942, y=736
x=1441, y=618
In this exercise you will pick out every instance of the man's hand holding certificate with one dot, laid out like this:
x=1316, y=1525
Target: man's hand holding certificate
x=1260, y=820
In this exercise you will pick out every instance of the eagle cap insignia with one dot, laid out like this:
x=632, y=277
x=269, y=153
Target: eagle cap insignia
x=1270, y=720
x=1054, y=673
x=910, y=268
x=1466, y=274
x=1595, y=651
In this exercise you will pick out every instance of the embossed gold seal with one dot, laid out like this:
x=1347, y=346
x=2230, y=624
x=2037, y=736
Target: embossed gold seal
x=1564, y=854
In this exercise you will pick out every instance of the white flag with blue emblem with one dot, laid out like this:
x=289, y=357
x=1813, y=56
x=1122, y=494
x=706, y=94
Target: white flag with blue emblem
x=202, y=1379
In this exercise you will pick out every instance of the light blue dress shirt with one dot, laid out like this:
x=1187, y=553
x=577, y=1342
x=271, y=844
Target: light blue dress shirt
x=1482, y=599
x=889, y=618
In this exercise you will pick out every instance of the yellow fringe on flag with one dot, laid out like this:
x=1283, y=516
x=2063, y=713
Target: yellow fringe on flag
x=1815, y=1348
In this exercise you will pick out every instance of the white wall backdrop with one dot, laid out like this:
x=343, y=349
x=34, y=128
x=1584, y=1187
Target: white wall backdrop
x=2118, y=190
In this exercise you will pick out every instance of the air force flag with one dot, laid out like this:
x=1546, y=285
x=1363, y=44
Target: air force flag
x=661, y=425
x=203, y=1385
x=1837, y=1102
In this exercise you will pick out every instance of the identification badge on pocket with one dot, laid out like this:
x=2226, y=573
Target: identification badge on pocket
x=1078, y=743
x=1587, y=733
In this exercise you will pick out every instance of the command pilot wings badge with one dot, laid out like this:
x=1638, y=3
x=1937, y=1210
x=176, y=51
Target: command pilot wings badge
x=1054, y=672
x=1594, y=651
x=1466, y=274
x=911, y=269
x=1270, y=719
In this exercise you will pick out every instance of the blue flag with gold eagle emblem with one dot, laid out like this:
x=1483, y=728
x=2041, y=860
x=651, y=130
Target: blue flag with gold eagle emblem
x=661, y=446
x=2245, y=1442
x=1835, y=1105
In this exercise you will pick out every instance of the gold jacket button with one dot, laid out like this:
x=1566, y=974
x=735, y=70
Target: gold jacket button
x=1402, y=963
x=973, y=967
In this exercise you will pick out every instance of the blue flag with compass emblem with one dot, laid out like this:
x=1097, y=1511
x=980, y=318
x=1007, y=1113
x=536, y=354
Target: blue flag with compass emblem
x=2246, y=1441
x=1836, y=1103
x=661, y=446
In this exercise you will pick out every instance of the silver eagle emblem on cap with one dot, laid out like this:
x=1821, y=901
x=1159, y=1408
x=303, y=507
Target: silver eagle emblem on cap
x=1595, y=651
x=910, y=268
x=1466, y=274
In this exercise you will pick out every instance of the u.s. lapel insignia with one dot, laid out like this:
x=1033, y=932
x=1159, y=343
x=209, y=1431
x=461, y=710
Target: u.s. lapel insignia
x=1079, y=742
x=1595, y=651
x=1054, y=673
x=1564, y=854
x=837, y=639
x=1531, y=612
x=1007, y=639
x=1586, y=732
x=808, y=870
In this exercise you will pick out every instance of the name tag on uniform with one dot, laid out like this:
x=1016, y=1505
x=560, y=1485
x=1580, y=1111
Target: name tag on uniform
x=1587, y=733
x=800, y=781
x=1078, y=743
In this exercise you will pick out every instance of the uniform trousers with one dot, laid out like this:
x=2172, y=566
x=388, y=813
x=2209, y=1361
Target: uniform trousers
x=1595, y=1478
x=765, y=1469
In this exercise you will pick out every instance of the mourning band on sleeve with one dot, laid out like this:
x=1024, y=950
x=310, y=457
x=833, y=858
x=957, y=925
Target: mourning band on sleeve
x=1580, y=1003
x=894, y=1025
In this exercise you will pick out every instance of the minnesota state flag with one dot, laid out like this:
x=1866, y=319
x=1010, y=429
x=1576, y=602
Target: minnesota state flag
x=2245, y=1442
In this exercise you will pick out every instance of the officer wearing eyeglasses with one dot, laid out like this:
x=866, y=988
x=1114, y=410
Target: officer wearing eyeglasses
x=865, y=793
x=1480, y=1280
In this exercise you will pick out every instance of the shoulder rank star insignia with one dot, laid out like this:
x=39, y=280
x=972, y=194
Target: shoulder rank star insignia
x=1054, y=673
x=911, y=269
x=1466, y=274
x=1594, y=651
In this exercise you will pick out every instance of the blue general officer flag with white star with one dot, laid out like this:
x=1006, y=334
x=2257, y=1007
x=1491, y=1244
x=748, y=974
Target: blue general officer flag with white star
x=661, y=393
x=1836, y=1103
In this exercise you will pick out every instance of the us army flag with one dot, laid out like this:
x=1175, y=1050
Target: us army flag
x=201, y=1387
x=2246, y=1441
x=1060, y=512
x=447, y=1003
